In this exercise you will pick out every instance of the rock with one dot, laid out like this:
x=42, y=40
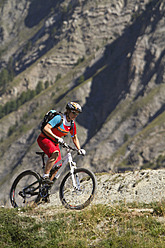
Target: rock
x=146, y=186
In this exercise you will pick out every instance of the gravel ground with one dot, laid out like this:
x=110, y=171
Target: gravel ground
x=143, y=186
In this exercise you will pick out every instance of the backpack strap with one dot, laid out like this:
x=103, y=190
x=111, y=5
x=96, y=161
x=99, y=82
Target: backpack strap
x=57, y=125
x=62, y=118
x=72, y=125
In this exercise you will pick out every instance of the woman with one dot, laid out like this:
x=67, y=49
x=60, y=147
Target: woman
x=52, y=135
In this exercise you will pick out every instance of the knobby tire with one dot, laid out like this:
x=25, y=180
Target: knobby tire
x=72, y=198
x=25, y=189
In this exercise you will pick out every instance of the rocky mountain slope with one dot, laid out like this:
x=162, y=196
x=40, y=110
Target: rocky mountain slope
x=109, y=55
x=144, y=186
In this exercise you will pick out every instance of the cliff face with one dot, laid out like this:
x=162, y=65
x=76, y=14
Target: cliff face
x=109, y=55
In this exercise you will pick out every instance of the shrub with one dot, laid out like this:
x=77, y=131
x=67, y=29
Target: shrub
x=39, y=87
x=46, y=84
x=81, y=79
x=58, y=76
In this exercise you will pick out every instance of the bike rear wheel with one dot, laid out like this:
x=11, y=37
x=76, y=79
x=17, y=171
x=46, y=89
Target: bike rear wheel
x=82, y=194
x=25, y=189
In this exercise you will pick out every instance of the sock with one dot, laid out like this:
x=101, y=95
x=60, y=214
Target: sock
x=45, y=175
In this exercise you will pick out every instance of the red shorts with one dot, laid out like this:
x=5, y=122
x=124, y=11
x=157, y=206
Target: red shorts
x=48, y=146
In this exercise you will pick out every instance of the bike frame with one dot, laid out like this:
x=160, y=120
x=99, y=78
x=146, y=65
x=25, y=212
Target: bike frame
x=65, y=160
x=22, y=190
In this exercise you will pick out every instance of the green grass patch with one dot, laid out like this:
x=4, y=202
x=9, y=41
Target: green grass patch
x=16, y=231
x=97, y=226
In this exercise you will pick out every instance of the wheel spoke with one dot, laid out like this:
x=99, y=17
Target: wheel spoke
x=80, y=196
x=25, y=189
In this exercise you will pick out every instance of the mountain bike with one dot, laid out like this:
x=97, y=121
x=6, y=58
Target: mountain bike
x=76, y=190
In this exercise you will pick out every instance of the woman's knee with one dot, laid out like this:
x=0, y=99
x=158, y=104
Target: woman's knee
x=54, y=155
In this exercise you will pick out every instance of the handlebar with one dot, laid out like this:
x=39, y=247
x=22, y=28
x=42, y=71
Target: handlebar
x=79, y=152
x=64, y=145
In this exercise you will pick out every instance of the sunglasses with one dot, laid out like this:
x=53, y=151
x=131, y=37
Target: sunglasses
x=74, y=113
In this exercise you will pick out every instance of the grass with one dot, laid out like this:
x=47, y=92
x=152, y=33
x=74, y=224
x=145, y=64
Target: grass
x=97, y=226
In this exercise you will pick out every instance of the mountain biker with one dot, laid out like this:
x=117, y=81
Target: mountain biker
x=51, y=137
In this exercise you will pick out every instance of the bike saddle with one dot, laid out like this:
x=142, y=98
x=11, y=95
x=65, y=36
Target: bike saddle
x=40, y=153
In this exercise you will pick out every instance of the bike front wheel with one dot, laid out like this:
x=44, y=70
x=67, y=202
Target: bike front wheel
x=25, y=189
x=77, y=190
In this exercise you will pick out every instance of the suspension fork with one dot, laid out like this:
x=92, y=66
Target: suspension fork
x=76, y=183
